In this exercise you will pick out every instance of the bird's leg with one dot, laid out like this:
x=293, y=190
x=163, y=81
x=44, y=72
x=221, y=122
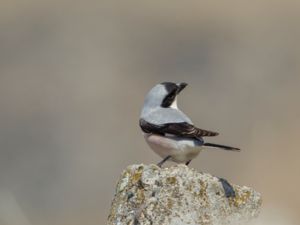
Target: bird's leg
x=188, y=162
x=164, y=160
x=228, y=189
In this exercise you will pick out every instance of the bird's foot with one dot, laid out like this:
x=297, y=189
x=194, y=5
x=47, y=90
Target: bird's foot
x=163, y=161
x=188, y=162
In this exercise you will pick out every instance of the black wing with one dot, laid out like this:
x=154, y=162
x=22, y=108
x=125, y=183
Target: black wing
x=182, y=129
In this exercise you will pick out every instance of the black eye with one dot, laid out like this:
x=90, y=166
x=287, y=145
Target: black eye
x=168, y=100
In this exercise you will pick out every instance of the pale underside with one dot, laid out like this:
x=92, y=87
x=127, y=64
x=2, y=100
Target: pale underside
x=180, y=149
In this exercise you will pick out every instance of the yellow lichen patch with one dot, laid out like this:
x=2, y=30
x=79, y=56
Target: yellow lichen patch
x=140, y=195
x=240, y=198
x=136, y=176
x=170, y=203
x=203, y=187
x=171, y=180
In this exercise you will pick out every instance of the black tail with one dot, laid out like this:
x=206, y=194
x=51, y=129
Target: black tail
x=222, y=147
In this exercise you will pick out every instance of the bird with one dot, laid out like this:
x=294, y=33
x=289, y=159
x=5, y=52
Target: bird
x=168, y=131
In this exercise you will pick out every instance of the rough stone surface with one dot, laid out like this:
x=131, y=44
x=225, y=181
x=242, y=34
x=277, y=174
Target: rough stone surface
x=179, y=195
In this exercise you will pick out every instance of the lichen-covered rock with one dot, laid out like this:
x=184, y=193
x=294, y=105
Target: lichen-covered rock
x=179, y=195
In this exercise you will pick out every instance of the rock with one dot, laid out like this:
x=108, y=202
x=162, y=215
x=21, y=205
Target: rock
x=179, y=195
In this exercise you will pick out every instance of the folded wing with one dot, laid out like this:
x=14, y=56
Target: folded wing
x=182, y=129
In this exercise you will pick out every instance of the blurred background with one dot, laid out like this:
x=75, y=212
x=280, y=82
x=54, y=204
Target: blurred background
x=73, y=76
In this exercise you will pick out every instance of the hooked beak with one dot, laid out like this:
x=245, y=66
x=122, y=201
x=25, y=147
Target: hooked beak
x=180, y=87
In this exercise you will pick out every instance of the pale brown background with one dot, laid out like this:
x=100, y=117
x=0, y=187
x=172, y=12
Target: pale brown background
x=73, y=76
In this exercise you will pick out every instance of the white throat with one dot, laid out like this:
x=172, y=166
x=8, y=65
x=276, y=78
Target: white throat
x=174, y=104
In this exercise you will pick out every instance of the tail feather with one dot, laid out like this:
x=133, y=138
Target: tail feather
x=229, y=148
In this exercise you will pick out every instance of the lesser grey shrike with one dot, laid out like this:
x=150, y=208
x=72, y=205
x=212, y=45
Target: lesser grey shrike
x=168, y=131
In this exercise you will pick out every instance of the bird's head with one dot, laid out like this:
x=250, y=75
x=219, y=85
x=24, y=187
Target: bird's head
x=164, y=95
